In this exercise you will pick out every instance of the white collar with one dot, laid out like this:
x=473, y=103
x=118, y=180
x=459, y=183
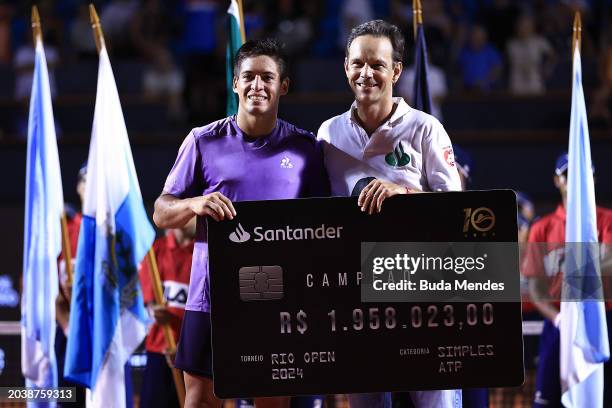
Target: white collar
x=402, y=109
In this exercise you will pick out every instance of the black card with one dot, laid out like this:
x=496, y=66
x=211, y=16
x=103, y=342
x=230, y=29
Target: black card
x=287, y=312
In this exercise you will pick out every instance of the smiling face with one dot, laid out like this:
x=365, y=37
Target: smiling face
x=259, y=85
x=370, y=69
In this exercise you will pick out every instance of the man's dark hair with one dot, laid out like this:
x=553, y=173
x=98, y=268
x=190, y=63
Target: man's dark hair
x=268, y=47
x=380, y=28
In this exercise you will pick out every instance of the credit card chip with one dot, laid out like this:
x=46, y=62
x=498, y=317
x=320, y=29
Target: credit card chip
x=261, y=283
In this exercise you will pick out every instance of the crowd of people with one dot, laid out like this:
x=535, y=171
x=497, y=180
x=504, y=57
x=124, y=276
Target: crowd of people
x=474, y=45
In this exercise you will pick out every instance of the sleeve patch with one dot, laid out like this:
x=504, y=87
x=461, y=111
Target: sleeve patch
x=449, y=156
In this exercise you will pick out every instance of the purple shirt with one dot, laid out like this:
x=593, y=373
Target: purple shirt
x=287, y=163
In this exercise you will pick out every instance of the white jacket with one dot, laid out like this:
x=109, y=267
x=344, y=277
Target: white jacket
x=410, y=149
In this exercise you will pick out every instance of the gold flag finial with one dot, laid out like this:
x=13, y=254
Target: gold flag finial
x=36, y=30
x=97, y=27
x=577, y=32
x=241, y=14
x=417, y=15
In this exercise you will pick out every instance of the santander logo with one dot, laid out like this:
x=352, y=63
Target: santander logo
x=240, y=235
x=286, y=233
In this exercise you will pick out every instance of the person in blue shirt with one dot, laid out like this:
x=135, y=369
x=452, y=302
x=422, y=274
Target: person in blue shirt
x=480, y=62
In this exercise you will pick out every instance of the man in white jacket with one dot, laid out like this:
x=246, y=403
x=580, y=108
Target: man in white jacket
x=382, y=147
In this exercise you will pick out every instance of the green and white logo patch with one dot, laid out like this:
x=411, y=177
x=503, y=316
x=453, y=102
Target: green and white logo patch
x=397, y=158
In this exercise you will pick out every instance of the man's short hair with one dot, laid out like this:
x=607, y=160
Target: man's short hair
x=380, y=28
x=268, y=47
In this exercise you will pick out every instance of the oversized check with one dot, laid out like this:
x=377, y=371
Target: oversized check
x=289, y=296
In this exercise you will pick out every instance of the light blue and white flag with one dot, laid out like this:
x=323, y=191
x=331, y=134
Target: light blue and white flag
x=44, y=203
x=108, y=318
x=584, y=334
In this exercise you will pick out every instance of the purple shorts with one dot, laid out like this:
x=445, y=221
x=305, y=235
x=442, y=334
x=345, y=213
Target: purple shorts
x=194, y=351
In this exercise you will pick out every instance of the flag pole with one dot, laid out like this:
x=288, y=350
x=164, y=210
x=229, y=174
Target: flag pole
x=36, y=30
x=577, y=32
x=241, y=14
x=170, y=341
x=66, y=252
x=157, y=289
x=97, y=28
x=417, y=15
